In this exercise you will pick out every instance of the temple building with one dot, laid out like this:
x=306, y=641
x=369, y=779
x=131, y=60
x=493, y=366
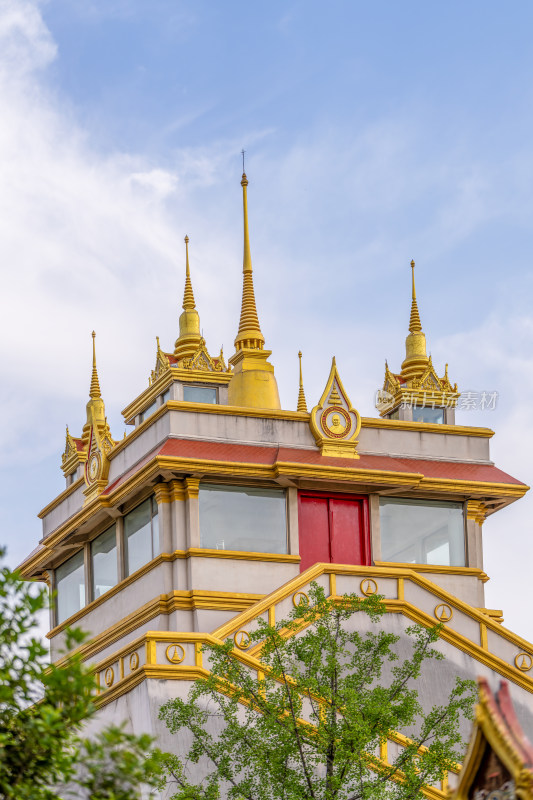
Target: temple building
x=219, y=506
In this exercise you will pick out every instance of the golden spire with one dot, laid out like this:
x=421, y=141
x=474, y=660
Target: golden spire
x=415, y=326
x=249, y=334
x=95, y=406
x=416, y=359
x=252, y=384
x=188, y=296
x=190, y=339
x=94, y=391
x=302, y=402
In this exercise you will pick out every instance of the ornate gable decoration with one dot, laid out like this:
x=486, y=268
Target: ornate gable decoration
x=73, y=455
x=97, y=464
x=334, y=423
x=162, y=364
x=203, y=362
x=425, y=390
x=200, y=361
x=499, y=761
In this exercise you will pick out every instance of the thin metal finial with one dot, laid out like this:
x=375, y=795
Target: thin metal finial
x=243, y=151
x=302, y=403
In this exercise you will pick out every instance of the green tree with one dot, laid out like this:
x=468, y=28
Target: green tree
x=43, y=709
x=311, y=725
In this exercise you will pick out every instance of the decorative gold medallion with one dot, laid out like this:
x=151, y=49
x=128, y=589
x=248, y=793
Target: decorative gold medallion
x=94, y=466
x=369, y=586
x=175, y=653
x=109, y=677
x=134, y=661
x=443, y=612
x=523, y=661
x=300, y=599
x=334, y=423
x=242, y=640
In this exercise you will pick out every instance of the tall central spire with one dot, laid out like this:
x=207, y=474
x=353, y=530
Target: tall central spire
x=249, y=333
x=253, y=384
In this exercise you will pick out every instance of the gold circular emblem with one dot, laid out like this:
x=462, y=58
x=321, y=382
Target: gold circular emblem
x=94, y=466
x=523, y=661
x=242, y=640
x=109, y=677
x=443, y=612
x=175, y=653
x=134, y=661
x=336, y=422
x=300, y=599
x=369, y=586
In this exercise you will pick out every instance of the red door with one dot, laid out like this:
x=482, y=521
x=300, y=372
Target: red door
x=333, y=529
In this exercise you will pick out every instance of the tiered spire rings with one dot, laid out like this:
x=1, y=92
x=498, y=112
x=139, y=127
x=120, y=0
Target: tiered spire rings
x=94, y=391
x=190, y=338
x=188, y=296
x=249, y=334
x=302, y=402
x=253, y=384
x=415, y=326
x=95, y=406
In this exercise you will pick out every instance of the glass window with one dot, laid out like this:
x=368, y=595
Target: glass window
x=394, y=414
x=434, y=415
x=165, y=397
x=141, y=535
x=104, y=562
x=70, y=585
x=422, y=532
x=148, y=411
x=238, y=518
x=200, y=394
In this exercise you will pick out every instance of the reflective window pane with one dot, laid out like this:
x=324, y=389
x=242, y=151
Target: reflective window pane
x=434, y=415
x=148, y=411
x=200, y=394
x=422, y=532
x=155, y=529
x=104, y=562
x=239, y=518
x=141, y=535
x=70, y=585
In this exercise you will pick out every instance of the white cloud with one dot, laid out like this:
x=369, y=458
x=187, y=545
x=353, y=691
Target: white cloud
x=159, y=182
x=25, y=41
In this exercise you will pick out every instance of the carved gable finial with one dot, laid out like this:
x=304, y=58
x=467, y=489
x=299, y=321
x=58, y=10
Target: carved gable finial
x=334, y=422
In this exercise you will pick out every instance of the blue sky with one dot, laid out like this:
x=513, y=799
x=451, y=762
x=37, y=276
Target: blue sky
x=375, y=133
